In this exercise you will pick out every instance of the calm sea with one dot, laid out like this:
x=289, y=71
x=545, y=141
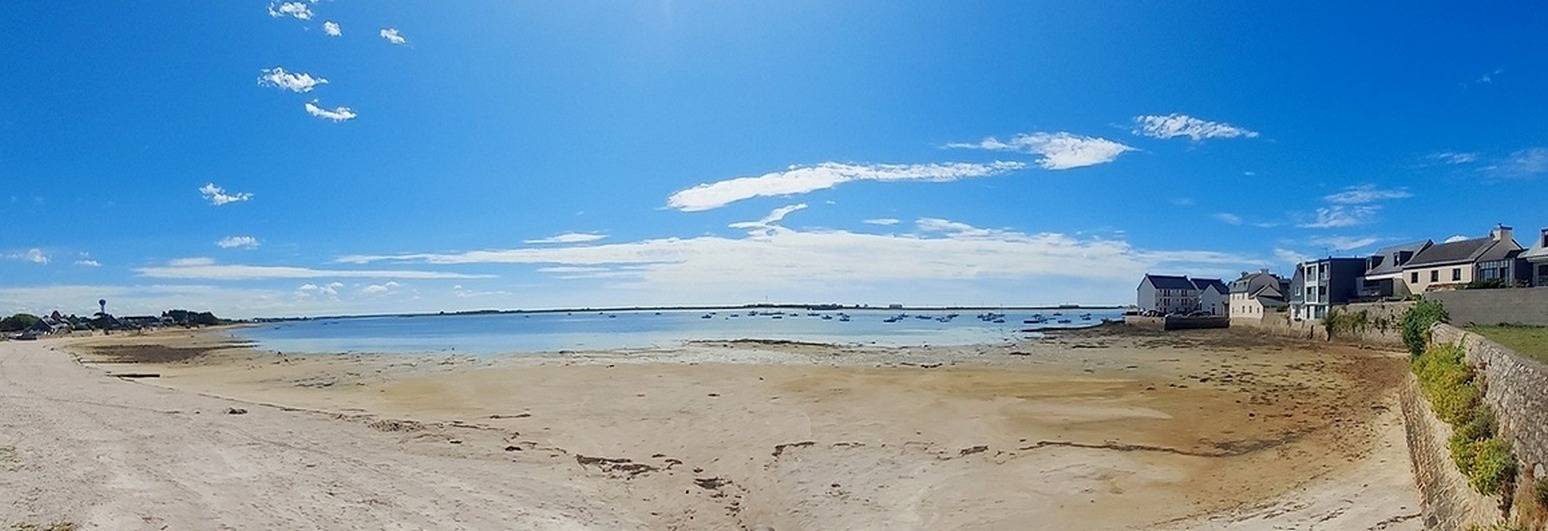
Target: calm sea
x=548, y=332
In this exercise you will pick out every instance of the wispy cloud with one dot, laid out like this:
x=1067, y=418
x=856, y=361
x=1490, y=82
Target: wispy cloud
x=291, y=81
x=393, y=36
x=883, y=221
x=1344, y=243
x=569, y=237
x=1176, y=125
x=33, y=255
x=1228, y=218
x=204, y=268
x=1337, y=216
x=1453, y=157
x=218, y=196
x=1528, y=162
x=87, y=262
x=1057, y=151
x=336, y=114
x=237, y=242
x=1365, y=194
x=1289, y=256
x=298, y=10
x=768, y=222
x=804, y=179
x=1455, y=238
x=332, y=29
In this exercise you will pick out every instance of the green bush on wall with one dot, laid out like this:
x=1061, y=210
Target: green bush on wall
x=1417, y=322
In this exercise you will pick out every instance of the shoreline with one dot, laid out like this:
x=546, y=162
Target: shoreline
x=1088, y=423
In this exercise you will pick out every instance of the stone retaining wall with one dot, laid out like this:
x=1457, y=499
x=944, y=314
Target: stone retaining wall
x=1448, y=501
x=1515, y=386
x=1384, y=322
x=1527, y=306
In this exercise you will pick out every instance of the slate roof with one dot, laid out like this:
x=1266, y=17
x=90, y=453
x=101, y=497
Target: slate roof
x=1388, y=256
x=1452, y=253
x=1203, y=283
x=1170, y=282
x=1538, y=250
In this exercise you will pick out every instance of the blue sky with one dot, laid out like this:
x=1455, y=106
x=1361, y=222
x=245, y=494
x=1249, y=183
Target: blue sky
x=525, y=155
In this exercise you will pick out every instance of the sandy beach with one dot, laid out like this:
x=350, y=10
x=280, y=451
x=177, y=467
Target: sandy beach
x=1102, y=429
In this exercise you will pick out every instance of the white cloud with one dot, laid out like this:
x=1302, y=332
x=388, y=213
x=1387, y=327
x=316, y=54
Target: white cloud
x=337, y=114
x=1228, y=218
x=238, y=242
x=309, y=290
x=392, y=36
x=788, y=260
x=1058, y=151
x=205, y=268
x=1342, y=216
x=882, y=221
x=569, y=237
x=291, y=81
x=1456, y=238
x=803, y=179
x=1489, y=76
x=217, y=196
x=1454, y=157
x=1366, y=193
x=87, y=262
x=34, y=255
x=332, y=29
x=380, y=289
x=299, y=10
x=768, y=222
x=1344, y=243
x=1175, y=125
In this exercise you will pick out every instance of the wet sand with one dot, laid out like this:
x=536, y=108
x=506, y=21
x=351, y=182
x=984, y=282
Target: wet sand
x=1088, y=430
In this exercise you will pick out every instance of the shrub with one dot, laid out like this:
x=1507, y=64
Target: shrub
x=1448, y=382
x=1493, y=466
x=1493, y=283
x=1542, y=492
x=1417, y=322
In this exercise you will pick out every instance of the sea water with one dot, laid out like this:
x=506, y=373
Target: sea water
x=592, y=330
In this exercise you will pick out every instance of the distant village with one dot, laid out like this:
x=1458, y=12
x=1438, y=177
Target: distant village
x=28, y=326
x=1398, y=272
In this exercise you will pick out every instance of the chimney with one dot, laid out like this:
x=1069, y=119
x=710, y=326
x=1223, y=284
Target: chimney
x=1544, y=240
x=1500, y=233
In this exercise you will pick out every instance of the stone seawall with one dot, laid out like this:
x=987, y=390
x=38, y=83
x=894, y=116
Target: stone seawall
x=1175, y=323
x=1280, y=324
x=1449, y=502
x=1516, y=387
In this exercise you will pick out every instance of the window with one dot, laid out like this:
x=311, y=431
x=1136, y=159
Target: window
x=1434, y=275
x=1456, y=274
x=1413, y=278
x=1491, y=274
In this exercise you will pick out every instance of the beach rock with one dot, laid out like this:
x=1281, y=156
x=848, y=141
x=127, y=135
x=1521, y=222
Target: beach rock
x=235, y=411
